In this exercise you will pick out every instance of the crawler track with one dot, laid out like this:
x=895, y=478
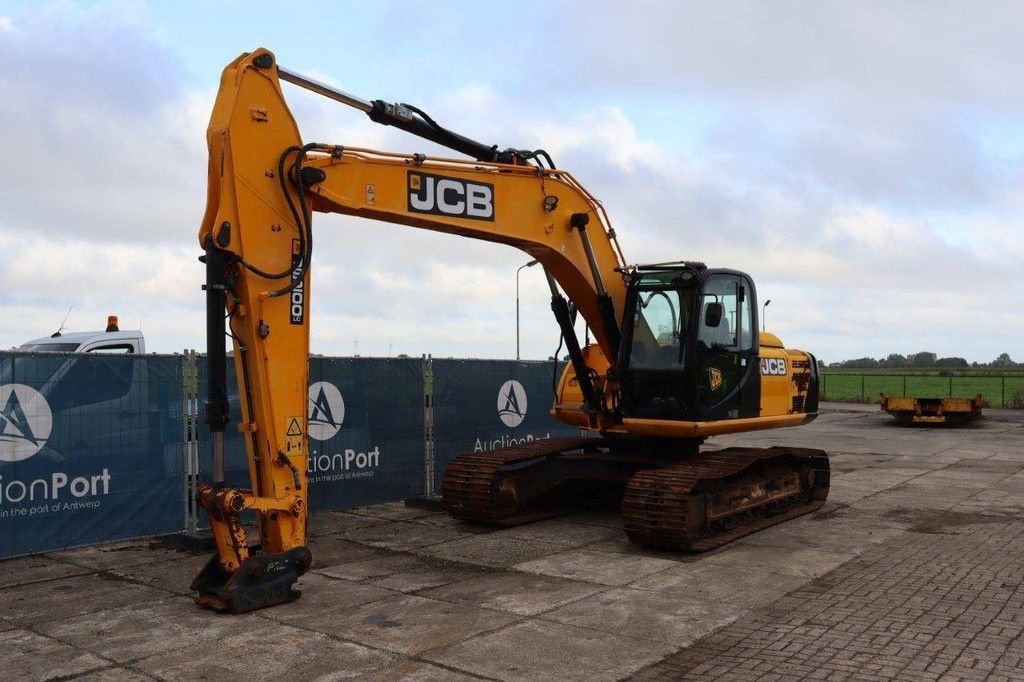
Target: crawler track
x=707, y=502
x=671, y=501
x=482, y=486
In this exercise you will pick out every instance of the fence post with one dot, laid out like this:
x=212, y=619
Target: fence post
x=904, y=385
x=951, y=385
x=428, y=426
x=190, y=444
x=1002, y=393
x=862, y=388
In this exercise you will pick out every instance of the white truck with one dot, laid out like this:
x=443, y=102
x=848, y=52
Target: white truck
x=98, y=403
x=112, y=340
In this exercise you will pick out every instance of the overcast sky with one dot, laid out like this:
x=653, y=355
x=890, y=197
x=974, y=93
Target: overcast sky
x=863, y=161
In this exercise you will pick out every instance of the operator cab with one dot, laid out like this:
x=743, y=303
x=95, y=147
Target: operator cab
x=689, y=348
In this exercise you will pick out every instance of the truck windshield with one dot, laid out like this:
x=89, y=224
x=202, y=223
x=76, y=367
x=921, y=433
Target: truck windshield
x=49, y=347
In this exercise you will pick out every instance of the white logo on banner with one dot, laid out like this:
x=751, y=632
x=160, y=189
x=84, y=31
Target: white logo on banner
x=326, y=410
x=25, y=422
x=512, y=403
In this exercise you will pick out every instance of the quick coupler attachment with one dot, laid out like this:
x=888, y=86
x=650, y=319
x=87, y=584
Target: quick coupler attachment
x=261, y=580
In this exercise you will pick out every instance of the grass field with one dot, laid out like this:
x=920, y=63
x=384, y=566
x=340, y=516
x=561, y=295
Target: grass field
x=862, y=386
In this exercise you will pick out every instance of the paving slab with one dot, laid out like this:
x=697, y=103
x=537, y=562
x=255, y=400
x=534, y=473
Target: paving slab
x=985, y=466
x=334, y=522
x=846, y=495
x=333, y=550
x=539, y=650
x=911, y=466
x=603, y=568
x=403, y=572
x=35, y=603
x=123, y=554
x=874, y=480
x=273, y=651
x=407, y=624
x=621, y=544
x=963, y=476
x=921, y=493
x=648, y=615
x=1007, y=456
x=116, y=673
x=396, y=511
x=172, y=575
x=419, y=579
x=402, y=536
x=847, y=530
x=747, y=587
x=996, y=501
x=376, y=567
x=523, y=594
x=564, y=533
x=136, y=631
x=324, y=596
x=805, y=563
x=410, y=670
x=494, y=550
x=33, y=569
x=440, y=518
x=30, y=656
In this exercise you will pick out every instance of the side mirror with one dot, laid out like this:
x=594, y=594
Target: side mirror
x=713, y=315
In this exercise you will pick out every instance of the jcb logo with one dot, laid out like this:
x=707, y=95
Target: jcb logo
x=715, y=378
x=773, y=367
x=438, y=195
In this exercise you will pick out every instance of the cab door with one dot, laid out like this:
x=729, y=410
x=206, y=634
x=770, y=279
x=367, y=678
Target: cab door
x=725, y=378
x=654, y=354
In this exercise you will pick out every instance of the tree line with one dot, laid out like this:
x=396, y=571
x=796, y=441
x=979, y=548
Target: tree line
x=924, y=360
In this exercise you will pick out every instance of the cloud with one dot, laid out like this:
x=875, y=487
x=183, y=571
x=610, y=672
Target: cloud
x=99, y=130
x=879, y=101
x=862, y=161
x=904, y=53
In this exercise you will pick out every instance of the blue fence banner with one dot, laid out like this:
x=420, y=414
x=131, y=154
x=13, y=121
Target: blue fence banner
x=482, y=405
x=365, y=432
x=90, y=449
x=93, y=447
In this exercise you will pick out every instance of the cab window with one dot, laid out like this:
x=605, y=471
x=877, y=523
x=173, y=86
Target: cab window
x=733, y=332
x=659, y=328
x=120, y=349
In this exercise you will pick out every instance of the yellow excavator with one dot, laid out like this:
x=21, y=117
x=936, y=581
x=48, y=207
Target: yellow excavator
x=676, y=354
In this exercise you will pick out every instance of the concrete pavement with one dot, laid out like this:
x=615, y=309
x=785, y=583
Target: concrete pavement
x=911, y=571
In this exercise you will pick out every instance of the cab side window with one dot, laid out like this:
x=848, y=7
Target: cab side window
x=734, y=331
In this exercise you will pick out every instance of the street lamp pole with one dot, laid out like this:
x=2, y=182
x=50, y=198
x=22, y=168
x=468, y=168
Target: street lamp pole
x=527, y=265
x=762, y=312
